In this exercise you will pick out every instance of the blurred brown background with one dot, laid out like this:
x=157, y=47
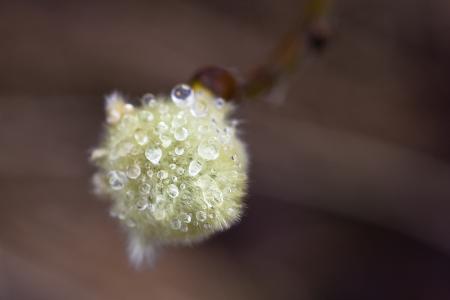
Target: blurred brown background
x=350, y=177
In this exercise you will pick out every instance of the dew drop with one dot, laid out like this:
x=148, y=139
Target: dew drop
x=142, y=204
x=141, y=137
x=208, y=150
x=133, y=171
x=153, y=155
x=219, y=102
x=162, y=127
x=185, y=218
x=148, y=99
x=199, y=108
x=117, y=180
x=200, y=216
x=182, y=95
x=179, y=151
x=165, y=140
x=194, y=167
x=180, y=171
x=162, y=174
x=146, y=116
x=181, y=134
x=179, y=120
x=144, y=188
x=173, y=191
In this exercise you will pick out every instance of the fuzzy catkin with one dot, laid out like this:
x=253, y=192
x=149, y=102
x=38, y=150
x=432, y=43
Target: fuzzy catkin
x=174, y=168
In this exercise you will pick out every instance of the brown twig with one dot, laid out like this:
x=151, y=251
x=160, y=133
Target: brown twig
x=309, y=32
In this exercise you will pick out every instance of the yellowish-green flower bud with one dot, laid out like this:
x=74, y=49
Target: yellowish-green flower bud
x=174, y=168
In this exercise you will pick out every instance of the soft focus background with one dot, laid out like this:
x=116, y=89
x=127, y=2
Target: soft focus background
x=350, y=177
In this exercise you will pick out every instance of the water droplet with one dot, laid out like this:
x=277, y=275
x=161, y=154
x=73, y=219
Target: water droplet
x=199, y=108
x=174, y=179
x=144, y=188
x=141, y=137
x=162, y=174
x=117, y=180
x=172, y=190
x=182, y=95
x=182, y=186
x=208, y=150
x=165, y=140
x=146, y=116
x=179, y=151
x=200, y=216
x=219, y=102
x=181, y=134
x=179, y=120
x=172, y=166
x=185, y=218
x=133, y=171
x=180, y=171
x=128, y=122
x=153, y=155
x=217, y=196
x=194, y=167
x=148, y=99
x=142, y=204
x=150, y=173
x=162, y=127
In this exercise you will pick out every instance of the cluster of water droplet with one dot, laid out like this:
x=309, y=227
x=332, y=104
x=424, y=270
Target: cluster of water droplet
x=174, y=168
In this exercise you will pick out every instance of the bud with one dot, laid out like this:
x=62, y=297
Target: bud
x=174, y=168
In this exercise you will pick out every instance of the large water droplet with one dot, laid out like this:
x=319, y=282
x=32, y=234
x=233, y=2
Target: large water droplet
x=172, y=190
x=153, y=155
x=194, y=167
x=181, y=134
x=182, y=95
x=208, y=150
